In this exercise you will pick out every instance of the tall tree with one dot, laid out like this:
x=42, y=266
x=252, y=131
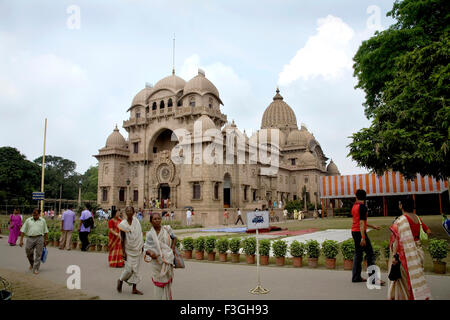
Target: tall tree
x=404, y=72
x=89, y=184
x=19, y=177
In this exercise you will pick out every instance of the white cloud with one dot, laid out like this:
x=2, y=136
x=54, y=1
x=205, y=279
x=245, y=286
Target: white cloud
x=325, y=54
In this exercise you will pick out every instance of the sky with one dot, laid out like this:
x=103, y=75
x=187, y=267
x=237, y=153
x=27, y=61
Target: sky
x=80, y=63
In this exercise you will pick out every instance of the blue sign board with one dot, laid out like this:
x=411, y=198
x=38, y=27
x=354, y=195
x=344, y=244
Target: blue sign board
x=38, y=195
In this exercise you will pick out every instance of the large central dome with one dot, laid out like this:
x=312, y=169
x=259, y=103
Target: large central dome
x=279, y=115
x=172, y=83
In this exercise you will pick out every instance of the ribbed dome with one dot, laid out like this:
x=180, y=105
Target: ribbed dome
x=297, y=138
x=279, y=114
x=141, y=97
x=206, y=122
x=332, y=169
x=172, y=83
x=307, y=159
x=116, y=140
x=201, y=85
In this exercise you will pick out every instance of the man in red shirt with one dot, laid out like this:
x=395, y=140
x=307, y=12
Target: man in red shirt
x=359, y=234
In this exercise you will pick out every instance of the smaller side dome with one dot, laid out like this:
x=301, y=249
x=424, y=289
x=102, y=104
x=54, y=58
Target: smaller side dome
x=116, y=140
x=332, y=169
x=206, y=123
x=270, y=134
x=201, y=85
x=297, y=138
x=307, y=159
x=141, y=97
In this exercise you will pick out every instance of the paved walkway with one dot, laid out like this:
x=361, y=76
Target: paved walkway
x=200, y=280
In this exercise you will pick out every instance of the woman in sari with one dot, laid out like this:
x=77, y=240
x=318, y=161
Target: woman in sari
x=405, y=241
x=15, y=223
x=114, y=243
x=160, y=246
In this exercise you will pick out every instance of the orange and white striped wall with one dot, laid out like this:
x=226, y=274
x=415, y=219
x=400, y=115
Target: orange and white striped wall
x=391, y=183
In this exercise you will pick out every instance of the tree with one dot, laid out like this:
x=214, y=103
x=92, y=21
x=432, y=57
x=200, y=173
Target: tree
x=19, y=177
x=404, y=72
x=89, y=184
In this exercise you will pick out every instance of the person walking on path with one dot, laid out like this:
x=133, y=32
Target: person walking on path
x=67, y=223
x=239, y=216
x=225, y=217
x=132, y=248
x=85, y=230
x=406, y=249
x=15, y=223
x=35, y=228
x=360, y=237
x=160, y=245
x=188, y=217
x=115, y=257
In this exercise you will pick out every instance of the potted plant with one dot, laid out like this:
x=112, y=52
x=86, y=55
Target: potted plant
x=105, y=242
x=188, y=246
x=348, y=252
x=74, y=240
x=313, y=252
x=57, y=236
x=264, y=251
x=210, y=245
x=386, y=250
x=50, y=236
x=438, y=250
x=249, y=247
x=279, y=251
x=330, y=249
x=93, y=242
x=297, y=250
x=235, y=245
x=222, y=245
x=199, y=245
x=99, y=242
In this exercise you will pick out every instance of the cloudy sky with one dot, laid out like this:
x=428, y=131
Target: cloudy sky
x=80, y=63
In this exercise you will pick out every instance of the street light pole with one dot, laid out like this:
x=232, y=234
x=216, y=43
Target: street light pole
x=79, y=194
x=60, y=194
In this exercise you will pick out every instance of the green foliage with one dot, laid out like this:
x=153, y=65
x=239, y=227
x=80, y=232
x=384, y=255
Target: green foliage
x=292, y=205
x=438, y=249
x=386, y=249
x=297, y=249
x=57, y=235
x=279, y=248
x=210, y=244
x=264, y=247
x=235, y=245
x=377, y=251
x=94, y=238
x=348, y=249
x=199, y=244
x=404, y=72
x=50, y=235
x=249, y=246
x=330, y=249
x=313, y=249
x=188, y=244
x=222, y=245
x=177, y=244
x=104, y=240
x=75, y=237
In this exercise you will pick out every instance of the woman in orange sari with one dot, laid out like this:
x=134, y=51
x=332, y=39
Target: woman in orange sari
x=114, y=244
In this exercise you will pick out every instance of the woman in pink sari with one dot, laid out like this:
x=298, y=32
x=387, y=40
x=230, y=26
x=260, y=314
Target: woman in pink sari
x=15, y=223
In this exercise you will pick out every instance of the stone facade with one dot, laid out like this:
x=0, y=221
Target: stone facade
x=142, y=168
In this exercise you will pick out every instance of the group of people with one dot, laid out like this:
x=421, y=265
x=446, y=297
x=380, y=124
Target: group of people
x=405, y=249
x=156, y=203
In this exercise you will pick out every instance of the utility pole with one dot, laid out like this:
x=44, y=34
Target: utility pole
x=60, y=193
x=43, y=166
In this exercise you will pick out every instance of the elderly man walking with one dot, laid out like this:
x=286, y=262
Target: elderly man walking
x=35, y=228
x=132, y=248
x=67, y=223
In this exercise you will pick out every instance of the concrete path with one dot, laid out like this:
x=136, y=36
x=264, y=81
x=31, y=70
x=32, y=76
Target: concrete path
x=206, y=280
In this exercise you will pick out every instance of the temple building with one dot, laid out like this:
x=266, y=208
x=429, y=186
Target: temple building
x=141, y=168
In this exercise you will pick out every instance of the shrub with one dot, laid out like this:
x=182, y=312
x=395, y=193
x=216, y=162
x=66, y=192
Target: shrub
x=330, y=249
x=438, y=249
x=222, y=245
x=313, y=249
x=57, y=236
x=348, y=249
x=297, y=249
x=210, y=244
x=249, y=245
x=377, y=251
x=264, y=247
x=50, y=236
x=235, y=245
x=93, y=238
x=75, y=237
x=188, y=244
x=386, y=249
x=104, y=240
x=279, y=248
x=199, y=244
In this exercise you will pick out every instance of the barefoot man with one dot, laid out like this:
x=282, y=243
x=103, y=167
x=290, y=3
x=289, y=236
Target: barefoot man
x=132, y=248
x=35, y=228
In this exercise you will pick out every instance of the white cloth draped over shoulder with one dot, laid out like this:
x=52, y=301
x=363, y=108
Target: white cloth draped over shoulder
x=134, y=237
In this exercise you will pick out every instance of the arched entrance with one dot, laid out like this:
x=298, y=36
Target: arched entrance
x=226, y=191
x=164, y=140
x=164, y=194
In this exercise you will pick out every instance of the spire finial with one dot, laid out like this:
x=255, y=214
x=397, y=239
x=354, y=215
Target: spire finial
x=173, y=55
x=278, y=90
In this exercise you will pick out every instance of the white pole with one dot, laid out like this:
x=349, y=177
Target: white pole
x=257, y=257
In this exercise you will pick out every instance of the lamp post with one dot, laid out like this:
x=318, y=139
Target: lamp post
x=79, y=193
x=128, y=192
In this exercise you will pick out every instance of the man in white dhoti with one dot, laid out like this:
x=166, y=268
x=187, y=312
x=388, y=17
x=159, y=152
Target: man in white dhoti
x=132, y=247
x=160, y=245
